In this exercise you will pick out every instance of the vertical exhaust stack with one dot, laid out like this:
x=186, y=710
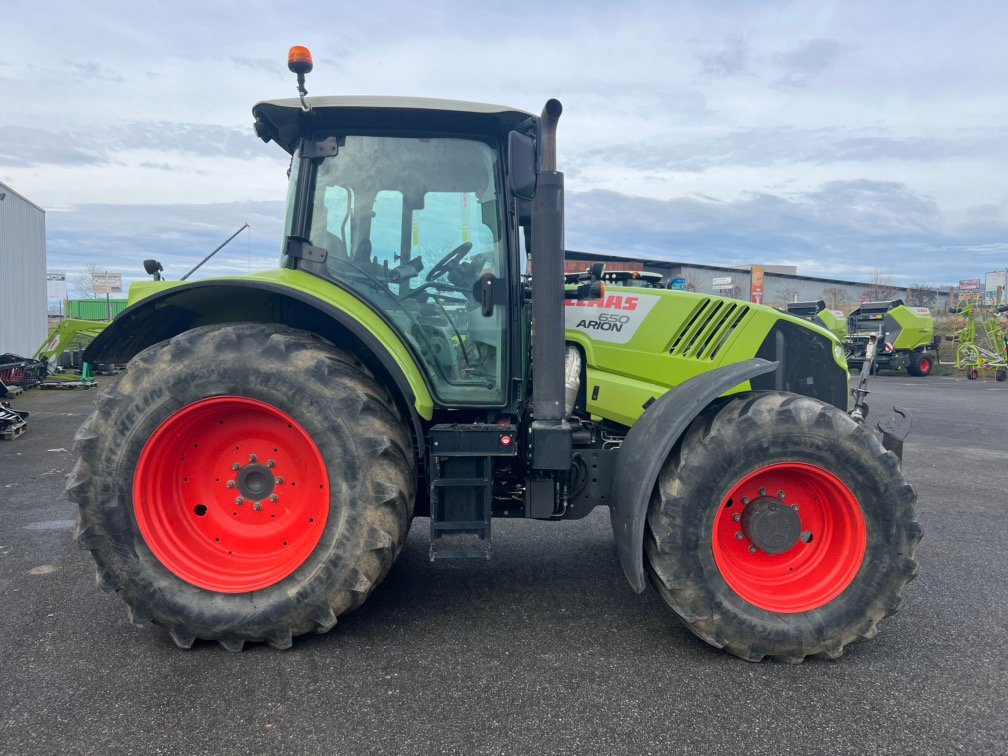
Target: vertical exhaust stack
x=547, y=277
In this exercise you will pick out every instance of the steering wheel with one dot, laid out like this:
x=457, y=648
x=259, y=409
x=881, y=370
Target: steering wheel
x=452, y=258
x=436, y=285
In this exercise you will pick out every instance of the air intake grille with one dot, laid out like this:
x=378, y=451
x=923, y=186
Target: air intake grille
x=708, y=328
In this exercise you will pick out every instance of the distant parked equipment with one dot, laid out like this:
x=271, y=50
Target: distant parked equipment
x=906, y=336
x=982, y=337
x=817, y=312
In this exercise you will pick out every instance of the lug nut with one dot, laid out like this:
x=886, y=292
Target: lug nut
x=271, y=463
x=736, y=517
x=236, y=466
x=752, y=549
x=279, y=480
x=252, y=458
x=274, y=498
x=239, y=501
x=230, y=484
x=794, y=507
x=739, y=536
x=745, y=499
x=780, y=494
x=257, y=506
x=762, y=492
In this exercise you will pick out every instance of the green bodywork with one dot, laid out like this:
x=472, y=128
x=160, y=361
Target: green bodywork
x=917, y=327
x=912, y=327
x=833, y=321
x=667, y=338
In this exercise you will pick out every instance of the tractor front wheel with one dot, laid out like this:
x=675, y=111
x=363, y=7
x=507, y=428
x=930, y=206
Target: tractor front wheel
x=241, y=483
x=780, y=527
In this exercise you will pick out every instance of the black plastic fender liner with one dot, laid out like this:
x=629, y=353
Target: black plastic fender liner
x=181, y=308
x=649, y=443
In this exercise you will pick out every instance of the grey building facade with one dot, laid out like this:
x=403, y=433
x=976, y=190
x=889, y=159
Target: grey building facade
x=778, y=287
x=23, y=322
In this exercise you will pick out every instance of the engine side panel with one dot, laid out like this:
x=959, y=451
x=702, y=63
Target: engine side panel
x=639, y=343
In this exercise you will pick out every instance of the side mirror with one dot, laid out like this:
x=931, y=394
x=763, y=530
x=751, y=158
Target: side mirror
x=522, y=173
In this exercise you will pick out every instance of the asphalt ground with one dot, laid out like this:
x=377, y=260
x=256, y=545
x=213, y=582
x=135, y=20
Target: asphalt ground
x=542, y=649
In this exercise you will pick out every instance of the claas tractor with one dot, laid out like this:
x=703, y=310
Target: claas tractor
x=905, y=334
x=253, y=475
x=817, y=312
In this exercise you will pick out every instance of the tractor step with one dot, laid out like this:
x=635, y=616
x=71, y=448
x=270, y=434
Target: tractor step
x=461, y=486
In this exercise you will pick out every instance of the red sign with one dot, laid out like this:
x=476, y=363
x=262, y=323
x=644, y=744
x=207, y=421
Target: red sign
x=969, y=284
x=756, y=289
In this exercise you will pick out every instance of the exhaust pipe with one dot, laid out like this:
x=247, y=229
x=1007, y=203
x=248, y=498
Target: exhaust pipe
x=547, y=277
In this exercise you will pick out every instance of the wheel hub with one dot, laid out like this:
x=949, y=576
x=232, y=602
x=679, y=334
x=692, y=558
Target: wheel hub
x=771, y=525
x=255, y=482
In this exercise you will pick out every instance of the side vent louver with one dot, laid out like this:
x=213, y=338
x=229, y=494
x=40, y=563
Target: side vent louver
x=708, y=328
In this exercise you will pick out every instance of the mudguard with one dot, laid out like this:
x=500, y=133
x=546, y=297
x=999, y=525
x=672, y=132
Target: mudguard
x=648, y=444
x=178, y=308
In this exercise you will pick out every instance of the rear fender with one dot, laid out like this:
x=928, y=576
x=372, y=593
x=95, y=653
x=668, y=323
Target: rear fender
x=173, y=310
x=648, y=444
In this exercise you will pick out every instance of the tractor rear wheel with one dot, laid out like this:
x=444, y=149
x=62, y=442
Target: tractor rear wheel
x=921, y=365
x=780, y=527
x=243, y=482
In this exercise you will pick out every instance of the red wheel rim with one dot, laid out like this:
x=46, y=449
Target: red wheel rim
x=823, y=561
x=925, y=365
x=225, y=529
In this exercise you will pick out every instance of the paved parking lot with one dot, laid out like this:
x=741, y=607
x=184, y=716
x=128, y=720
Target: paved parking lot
x=542, y=649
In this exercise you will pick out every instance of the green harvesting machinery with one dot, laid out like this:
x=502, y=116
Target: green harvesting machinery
x=254, y=473
x=816, y=312
x=906, y=336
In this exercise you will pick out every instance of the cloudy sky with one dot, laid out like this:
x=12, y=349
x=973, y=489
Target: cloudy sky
x=842, y=137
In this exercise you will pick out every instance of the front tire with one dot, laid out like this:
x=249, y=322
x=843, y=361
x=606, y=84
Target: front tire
x=830, y=569
x=243, y=482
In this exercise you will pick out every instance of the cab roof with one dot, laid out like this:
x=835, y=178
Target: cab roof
x=285, y=122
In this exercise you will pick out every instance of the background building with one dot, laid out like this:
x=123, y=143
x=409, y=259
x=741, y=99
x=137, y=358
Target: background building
x=23, y=324
x=781, y=283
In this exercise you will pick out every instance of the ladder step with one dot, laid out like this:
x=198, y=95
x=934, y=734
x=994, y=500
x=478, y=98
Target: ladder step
x=461, y=482
x=459, y=547
x=450, y=525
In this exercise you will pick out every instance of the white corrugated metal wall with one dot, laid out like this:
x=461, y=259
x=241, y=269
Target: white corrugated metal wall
x=22, y=274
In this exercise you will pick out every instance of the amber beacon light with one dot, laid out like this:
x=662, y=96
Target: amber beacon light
x=299, y=60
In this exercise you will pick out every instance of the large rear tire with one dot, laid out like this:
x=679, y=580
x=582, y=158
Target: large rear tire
x=243, y=482
x=780, y=527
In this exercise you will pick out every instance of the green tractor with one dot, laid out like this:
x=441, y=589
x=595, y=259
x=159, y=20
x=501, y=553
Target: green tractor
x=905, y=334
x=816, y=312
x=253, y=475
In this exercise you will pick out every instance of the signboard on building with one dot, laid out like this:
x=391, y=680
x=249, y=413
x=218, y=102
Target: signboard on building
x=756, y=288
x=56, y=291
x=106, y=283
x=56, y=285
x=679, y=283
x=722, y=282
x=969, y=284
x=995, y=282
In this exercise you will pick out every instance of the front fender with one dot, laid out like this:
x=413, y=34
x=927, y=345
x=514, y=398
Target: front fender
x=648, y=444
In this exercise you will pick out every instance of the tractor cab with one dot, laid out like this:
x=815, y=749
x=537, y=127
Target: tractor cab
x=403, y=202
